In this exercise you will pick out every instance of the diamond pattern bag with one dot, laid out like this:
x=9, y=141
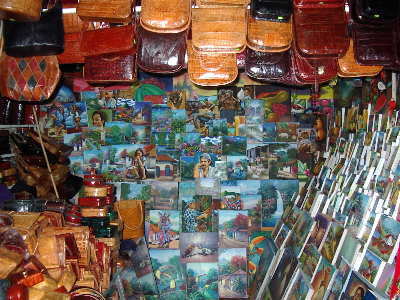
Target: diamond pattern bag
x=29, y=79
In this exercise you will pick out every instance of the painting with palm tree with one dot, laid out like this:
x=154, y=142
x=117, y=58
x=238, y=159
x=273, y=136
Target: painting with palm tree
x=202, y=280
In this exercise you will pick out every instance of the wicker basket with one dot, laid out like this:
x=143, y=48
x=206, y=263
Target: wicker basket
x=165, y=16
x=113, y=11
x=267, y=36
x=219, y=29
x=348, y=66
x=211, y=69
x=21, y=10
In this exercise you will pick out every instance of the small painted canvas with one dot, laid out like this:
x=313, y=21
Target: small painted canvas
x=75, y=116
x=168, y=270
x=98, y=118
x=385, y=237
x=92, y=138
x=76, y=164
x=269, y=132
x=319, y=230
x=302, y=226
x=286, y=131
x=309, y=259
x=234, y=145
x=321, y=279
x=257, y=245
x=233, y=228
x=137, y=251
x=254, y=133
x=178, y=120
x=283, y=161
x=386, y=278
x=202, y=280
x=208, y=186
x=217, y=127
x=137, y=191
x=176, y=99
x=230, y=196
x=331, y=243
x=164, y=229
x=118, y=132
x=369, y=266
x=211, y=145
x=254, y=111
x=258, y=162
x=276, y=102
x=199, y=247
x=299, y=288
x=164, y=194
x=237, y=167
x=283, y=273
x=93, y=159
x=161, y=119
x=282, y=235
x=190, y=144
x=141, y=134
x=197, y=213
x=74, y=140
x=232, y=265
x=356, y=288
x=276, y=196
x=165, y=138
x=251, y=199
x=340, y=278
x=167, y=164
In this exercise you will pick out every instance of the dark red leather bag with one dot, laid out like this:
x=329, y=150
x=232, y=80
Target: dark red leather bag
x=374, y=44
x=267, y=65
x=108, y=40
x=161, y=52
x=375, y=11
x=321, y=31
x=318, y=3
x=315, y=70
x=72, y=52
x=112, y=67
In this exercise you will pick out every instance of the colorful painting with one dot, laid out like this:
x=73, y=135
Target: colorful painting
x=331, y=244
x=75, y=116
x=257, y=155
x=276, y=102
x=356, y=289
x=199, y=247
x=286, y=132
x=233, y=227
x=202, y=281
x=385, y=237
x=340, y=278
x=309, y=259
x=282, y=161
x=254, y=111
x=319, y=230
x=168, y=270
x=321, y=279
x=232, y=267
x=250, y=195
x=197, y=213
x=299, y=288
x=164, y=194
x=164, y=228
x=230, y=195
x=234, y=145
x=236, y=167
x=269, y=132
x=369, y=266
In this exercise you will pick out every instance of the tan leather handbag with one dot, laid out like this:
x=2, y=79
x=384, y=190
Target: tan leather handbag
x=20, y=10
x=131, y=212
x=113, y=11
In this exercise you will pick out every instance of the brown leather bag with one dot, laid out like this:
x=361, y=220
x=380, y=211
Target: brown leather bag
x=219, y=3
x=267, y=66
x=72, y=49
x=107, y=40
x=113, y=11
x=29, y=78
x=131, y=212
x=211, y=69
x=161, y=53
x=268, y=36
x=348, y=66
x=165, y=16
x=112, y=67
x=219, y=29
x=320, y=31
x=20, y=10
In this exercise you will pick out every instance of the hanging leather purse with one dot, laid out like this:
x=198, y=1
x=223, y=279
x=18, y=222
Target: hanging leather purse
x=348, y=66
x=23, y=10
x=43, y=37
x=111, y=67
x=375, y=11
x=165, y=16
x=72, y=49
x=107, y=40
x=161, y=53
x=318, y=3
x=316, y=70
x=131, y=212
x=267, y=36
x=267, y=66
x=29, y=78
x=219, y=29
x=211, y=69
x=271, y=10
x=374, y=45
x=219, y=3
x=113, y=11
x=320, y=31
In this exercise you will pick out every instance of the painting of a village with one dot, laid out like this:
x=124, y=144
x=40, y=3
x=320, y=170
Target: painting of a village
x=232, y=281
x=202, y=281
x=233, y=228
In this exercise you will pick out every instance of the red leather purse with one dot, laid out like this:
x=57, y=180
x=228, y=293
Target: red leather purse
x=315, y=70
x=116, y=67
x=108, y=40
x=318, y=3
x=321, y=31
x=72, y=49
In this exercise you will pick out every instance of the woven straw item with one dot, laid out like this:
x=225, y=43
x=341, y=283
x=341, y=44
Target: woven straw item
x=165, y=16
x=348, y=66
x=211, y=69
x=219, y=29
x=114, y=11
x=219, y=3
x=20, y=10
x=266, y=36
